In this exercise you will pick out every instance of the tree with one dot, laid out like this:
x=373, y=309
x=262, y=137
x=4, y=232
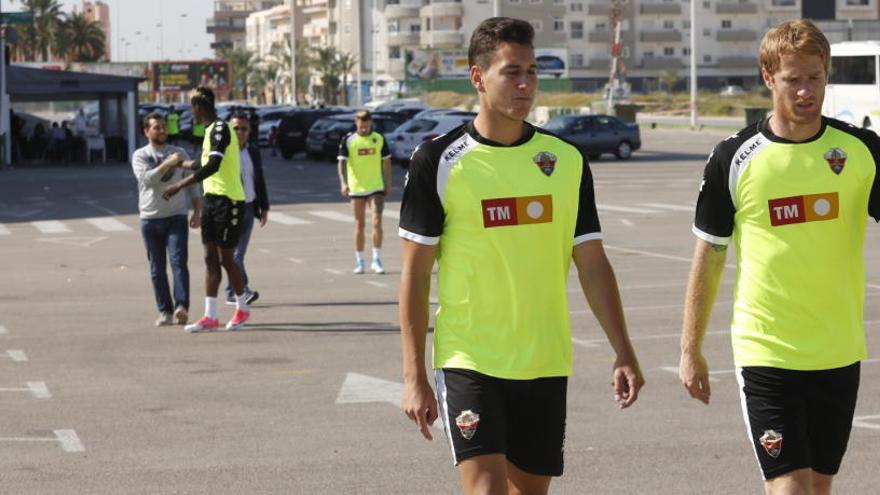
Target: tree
x=37, y=39
x=243, y=63
x=280, y=58
x=346, y=62
x=79, y=40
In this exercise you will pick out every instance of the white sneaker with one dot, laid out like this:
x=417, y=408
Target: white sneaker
x=376, y=266
x=164, y=319
x=358, y=267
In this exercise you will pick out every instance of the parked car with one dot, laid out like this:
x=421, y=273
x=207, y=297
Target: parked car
x=270, y=118
x=318, y=131
x=597, y=134
x=294, y=128
x=383, y=122
x=404, y=140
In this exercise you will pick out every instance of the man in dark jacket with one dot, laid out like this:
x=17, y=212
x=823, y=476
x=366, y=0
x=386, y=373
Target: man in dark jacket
x=256, y=201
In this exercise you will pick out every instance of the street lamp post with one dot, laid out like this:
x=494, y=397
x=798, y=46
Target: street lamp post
x=693, y=64
x=293, y=52
x=182, y=17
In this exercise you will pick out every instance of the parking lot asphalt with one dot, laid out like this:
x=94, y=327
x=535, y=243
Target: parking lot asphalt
x=95, y=399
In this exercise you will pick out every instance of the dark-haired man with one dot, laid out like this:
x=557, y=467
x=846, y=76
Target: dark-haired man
x=222, y=212
x=163, y=223
x=503, y=207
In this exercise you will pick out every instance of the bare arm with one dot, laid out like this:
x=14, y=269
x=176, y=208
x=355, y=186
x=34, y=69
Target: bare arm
x=600, y=288
x=343, y=183
x=706, y=271
x=418, y=401
x=386, y=174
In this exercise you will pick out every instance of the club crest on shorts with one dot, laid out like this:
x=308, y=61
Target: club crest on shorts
x=467, y=423
x=836, y=159
x=771, y=440
x=546, y=161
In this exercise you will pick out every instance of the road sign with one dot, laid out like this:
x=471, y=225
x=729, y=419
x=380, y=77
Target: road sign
x=17, y=18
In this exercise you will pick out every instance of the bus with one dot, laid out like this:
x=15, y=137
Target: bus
x=853, y=92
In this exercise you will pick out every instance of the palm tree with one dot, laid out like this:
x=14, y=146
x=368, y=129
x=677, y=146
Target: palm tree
x=79, y=40
x=280, y=58
x=38, y=38
x=346, y=62
x=332, y=65
x=243, y=63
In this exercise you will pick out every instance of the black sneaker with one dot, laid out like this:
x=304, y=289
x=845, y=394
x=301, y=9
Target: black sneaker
x=252, y=297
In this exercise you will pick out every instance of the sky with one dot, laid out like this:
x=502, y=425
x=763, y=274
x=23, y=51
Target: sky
x=182, y=35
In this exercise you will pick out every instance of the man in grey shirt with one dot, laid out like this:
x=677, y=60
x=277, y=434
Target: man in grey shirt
x=163, y=222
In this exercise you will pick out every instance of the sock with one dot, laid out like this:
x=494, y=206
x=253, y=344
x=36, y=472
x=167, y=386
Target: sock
x=376, y=253
x=211, y=307
x=359, y=256
x=240, y=301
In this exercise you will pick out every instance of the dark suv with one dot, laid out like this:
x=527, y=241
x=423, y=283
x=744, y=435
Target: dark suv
x=295, y=126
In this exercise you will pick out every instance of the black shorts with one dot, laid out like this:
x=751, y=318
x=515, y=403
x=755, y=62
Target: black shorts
x=798, y=419
x=522, y=419
x=221, y=221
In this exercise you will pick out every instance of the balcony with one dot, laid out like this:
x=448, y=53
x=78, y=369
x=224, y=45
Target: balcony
x=736, y=8
x=660, y=9
x=442, y=9
x=669, y=35
x=734, y=62
x=226, y=25
x=736, y=35
x=400, y=11
x=659, y=63
x=403, y=39
x=441, y=38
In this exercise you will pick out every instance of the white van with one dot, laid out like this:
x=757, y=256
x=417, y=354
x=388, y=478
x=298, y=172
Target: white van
x=853, y=92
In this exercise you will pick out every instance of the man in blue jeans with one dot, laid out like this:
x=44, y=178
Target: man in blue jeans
x=164, y=223
x=256, y=200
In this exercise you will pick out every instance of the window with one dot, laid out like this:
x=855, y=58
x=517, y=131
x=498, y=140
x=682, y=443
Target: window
x=394, y=52
x=686, y=24
x=577, y=59
x=668, y=51
x=686, y=51
x=624, y=52
x=558, y=24
x=577, y=30
x=668, y=24
x=515, y=2
x=726, y=24
x=536, y=1
x=707, y=5
x=649, y=55
x=601, y=26
x=784, y=3
x=707, y=32
x=577, y=7
x=858, y=3
x=707, y=59
x=854, y=70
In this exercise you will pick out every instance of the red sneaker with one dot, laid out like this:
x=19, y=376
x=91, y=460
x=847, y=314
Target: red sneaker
x=204, y=324
x=238, y=319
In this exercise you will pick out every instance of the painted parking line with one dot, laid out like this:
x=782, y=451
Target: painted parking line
x=285, y=219
x=68, y=439
x=332, y=215
x=296, y=260
x=377, y=284
x=665, y=336
x=657, y=255
x=38, y=389
x=667, y=206
x=626, y=209
x=4, y=230
x=51, y=227
x=871, y=421
x=108, y=224
x=15, y=355
x=333, y=271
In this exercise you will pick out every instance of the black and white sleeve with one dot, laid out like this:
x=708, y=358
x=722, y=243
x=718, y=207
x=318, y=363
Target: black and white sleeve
x=587, y=227
x=421, y=212
x=714, y=218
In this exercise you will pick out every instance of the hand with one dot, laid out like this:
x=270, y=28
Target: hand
x=264, y=217
x=694, y=373
x=176, y=159
x=627, y=380
x=196, y=220
x=170, y=192
x=420, y=405
x=343, y=189
x=188, y=164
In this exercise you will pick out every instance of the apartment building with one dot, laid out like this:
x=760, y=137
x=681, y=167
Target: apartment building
x=656, y=36
x=100, y=12
x=229, y=22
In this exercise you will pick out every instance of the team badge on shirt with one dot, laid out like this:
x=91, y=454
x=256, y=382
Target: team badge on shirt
x=546, y=161
x=836, y=159
x=467, y=423
x=771, y=440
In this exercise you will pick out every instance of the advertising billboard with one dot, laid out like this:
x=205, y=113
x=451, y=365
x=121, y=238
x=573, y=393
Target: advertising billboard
x=453, y=63
x=178, y=77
